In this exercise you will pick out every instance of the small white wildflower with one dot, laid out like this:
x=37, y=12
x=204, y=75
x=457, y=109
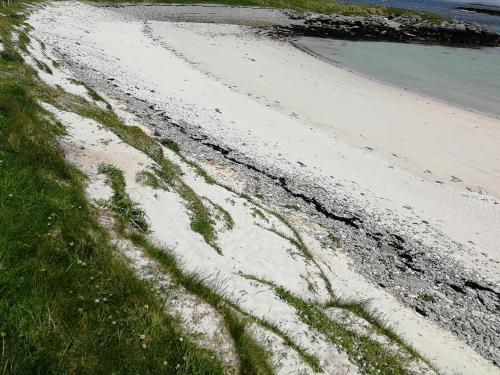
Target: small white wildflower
x=104, y=299
x=71, y=243
x=80, y=310
x=181, y=339
x=165, y=363
x=178, y=365
x=97, y=300
x=142, y=337
x=144, y=346
x=146, y=307
x=113, y=322
x=3, y=334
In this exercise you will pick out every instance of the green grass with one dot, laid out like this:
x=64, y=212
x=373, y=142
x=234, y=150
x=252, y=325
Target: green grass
x=173, y=146
x=428, y=298
x=121, y=202
x=148, y=178
x=92, y=93
x=224, y=215
x=68, y=303
x=378, y=325
x=370, y=356
x=258, y=213
x=254, y=360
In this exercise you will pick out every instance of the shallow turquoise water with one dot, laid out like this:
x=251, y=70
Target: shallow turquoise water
x=469, y=78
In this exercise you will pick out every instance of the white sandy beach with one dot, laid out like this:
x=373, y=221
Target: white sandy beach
x=364, y=142
x=287, y=107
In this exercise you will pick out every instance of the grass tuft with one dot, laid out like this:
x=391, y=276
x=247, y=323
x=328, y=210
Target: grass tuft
x=121, y=202
x=428, y=298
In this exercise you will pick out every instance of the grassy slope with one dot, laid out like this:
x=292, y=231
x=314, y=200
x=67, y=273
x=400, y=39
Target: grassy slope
x=68, y=304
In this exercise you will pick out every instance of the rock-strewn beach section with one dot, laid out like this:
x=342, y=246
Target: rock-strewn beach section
x=402, y=28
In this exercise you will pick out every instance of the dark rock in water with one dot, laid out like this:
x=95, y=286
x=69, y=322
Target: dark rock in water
x=484, y=10
x=402, y=28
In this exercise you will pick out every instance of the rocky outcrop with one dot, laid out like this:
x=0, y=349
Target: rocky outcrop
x=402, y=28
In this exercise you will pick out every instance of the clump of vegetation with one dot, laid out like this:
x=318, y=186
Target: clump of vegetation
x=224, y=215
x=334, y=239
x=121, y=202
x=174, y=146
x=294, y=207
x=42, y=66
x=258, y=213
x=92, y=93
x=171, y=145
x=371, y=356
x=148, y=178
x=428, y=298
x=360, y=309
x=253, y=358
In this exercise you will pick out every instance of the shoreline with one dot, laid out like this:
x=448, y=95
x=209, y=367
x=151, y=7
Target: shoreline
x=393, y=85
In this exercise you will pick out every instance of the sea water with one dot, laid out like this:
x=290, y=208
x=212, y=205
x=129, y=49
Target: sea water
x=469, y=78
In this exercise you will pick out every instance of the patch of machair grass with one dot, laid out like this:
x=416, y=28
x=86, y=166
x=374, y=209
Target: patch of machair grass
x=121, y=202
x=68, y=304
x=253, y=358
x=169, y=172
x=370, y=356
